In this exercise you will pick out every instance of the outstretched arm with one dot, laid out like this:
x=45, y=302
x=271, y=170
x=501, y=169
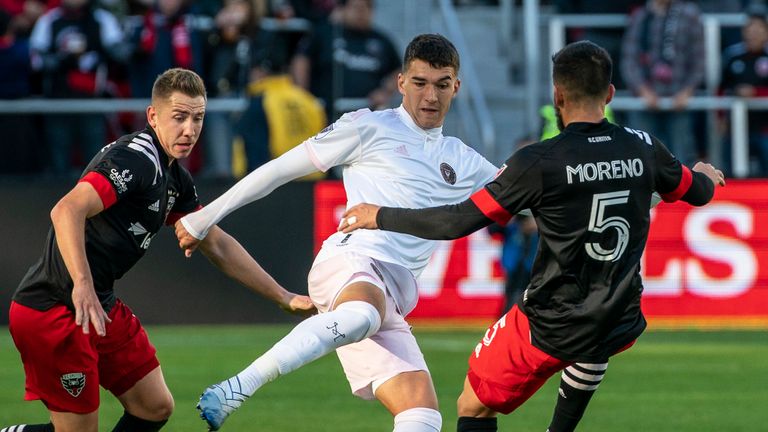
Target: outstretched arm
x=258, y=184
x=434, y=223
x=233, y=260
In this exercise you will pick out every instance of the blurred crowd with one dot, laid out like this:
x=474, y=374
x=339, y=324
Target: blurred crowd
x=301, y=63
x=285, y=56
x=661, y=53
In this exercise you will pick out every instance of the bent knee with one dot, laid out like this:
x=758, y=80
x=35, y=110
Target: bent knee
x=164, y=409
x=157, y=410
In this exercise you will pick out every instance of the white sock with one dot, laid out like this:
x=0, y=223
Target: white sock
x=313, y=338
x=418, y=420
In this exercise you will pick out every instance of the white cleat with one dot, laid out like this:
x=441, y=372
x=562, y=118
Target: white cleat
x=219, y=401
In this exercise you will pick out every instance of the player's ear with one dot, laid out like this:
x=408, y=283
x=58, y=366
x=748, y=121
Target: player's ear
x=611, y=93
x=456, y=86
x=401, y=83
x=557, y=97
x=152, y=116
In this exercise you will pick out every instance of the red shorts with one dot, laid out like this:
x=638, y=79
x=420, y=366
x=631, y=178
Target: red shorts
x=65, y=367
x=505, y=369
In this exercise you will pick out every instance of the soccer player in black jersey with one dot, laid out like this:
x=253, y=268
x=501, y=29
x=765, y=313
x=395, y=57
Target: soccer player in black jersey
x=590, y=190
x=71, y=330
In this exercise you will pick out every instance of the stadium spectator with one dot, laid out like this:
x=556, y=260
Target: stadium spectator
x=608, y=38
x=24, y=13
x=19, y=148
x=364, y=285
x=745, y=74
x=280, y=114
x=72, y=332
x=348, y=58
x=583, y=303
x=227, y=67
x=663, y=56
x=70, y=45
x=163, y=38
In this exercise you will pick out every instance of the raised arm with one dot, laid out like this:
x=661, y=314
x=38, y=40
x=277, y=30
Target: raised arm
x=233, y=260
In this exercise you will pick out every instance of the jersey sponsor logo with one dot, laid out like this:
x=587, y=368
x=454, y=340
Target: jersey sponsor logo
x=449, y=175
x=120, y=179
x=597, y=139
x=155, y=206
x=137, y=229
x=402, y=150
x=73, y=383
x=605, y=170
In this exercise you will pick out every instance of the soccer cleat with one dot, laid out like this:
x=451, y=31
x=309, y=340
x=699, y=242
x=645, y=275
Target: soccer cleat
x=219, y=401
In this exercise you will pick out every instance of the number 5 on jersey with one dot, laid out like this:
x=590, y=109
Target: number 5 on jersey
x=598, y=223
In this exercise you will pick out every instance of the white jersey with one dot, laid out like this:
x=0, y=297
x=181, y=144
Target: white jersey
x=389, y=161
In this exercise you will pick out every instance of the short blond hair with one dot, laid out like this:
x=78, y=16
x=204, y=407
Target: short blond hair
x=177, y=80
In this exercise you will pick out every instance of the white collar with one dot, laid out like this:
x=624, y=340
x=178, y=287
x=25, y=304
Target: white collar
x=406, y=118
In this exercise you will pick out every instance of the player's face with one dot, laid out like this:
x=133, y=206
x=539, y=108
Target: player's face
x=427, y=92
x=177, y=122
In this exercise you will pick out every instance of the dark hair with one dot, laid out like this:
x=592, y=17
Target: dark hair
x=177, y=80
x=434, y=49
x=583, y=69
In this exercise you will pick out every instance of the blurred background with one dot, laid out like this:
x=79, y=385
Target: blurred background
x=76, y=74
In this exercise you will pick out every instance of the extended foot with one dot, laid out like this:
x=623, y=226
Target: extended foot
x=219, y=401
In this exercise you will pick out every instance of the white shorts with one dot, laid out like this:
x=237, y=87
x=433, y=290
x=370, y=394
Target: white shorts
x=393, y=349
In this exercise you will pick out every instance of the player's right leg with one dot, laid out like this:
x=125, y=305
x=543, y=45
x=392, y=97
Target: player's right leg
x=505, y=370
x=69, y=386
x=357, y=310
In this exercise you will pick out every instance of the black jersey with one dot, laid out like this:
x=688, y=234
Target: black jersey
x=140, y=192
x=589, y=189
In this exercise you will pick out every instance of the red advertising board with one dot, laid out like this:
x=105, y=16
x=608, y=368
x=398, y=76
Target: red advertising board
x=706, y=262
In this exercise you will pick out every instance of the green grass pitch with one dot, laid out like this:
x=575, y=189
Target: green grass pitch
x=669, y=381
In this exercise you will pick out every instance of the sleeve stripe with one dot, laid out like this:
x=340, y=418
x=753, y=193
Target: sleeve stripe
x=685, y=183
x=490, y=207
x=103, y=187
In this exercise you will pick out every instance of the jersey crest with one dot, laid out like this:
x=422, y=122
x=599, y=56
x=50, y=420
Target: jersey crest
x=449, y=175
x=73, y=383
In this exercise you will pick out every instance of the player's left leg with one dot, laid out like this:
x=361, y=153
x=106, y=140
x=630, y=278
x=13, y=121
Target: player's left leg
x=129, y=369
x=148, y=405
x=411, y=398
x=578, y=383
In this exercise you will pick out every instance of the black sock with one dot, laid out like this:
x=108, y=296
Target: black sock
x=48, y=427
x=571, y=401
x=130, y=423
x=476, y=424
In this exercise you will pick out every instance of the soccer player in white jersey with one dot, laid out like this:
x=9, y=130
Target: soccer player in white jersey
x=364, y=284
